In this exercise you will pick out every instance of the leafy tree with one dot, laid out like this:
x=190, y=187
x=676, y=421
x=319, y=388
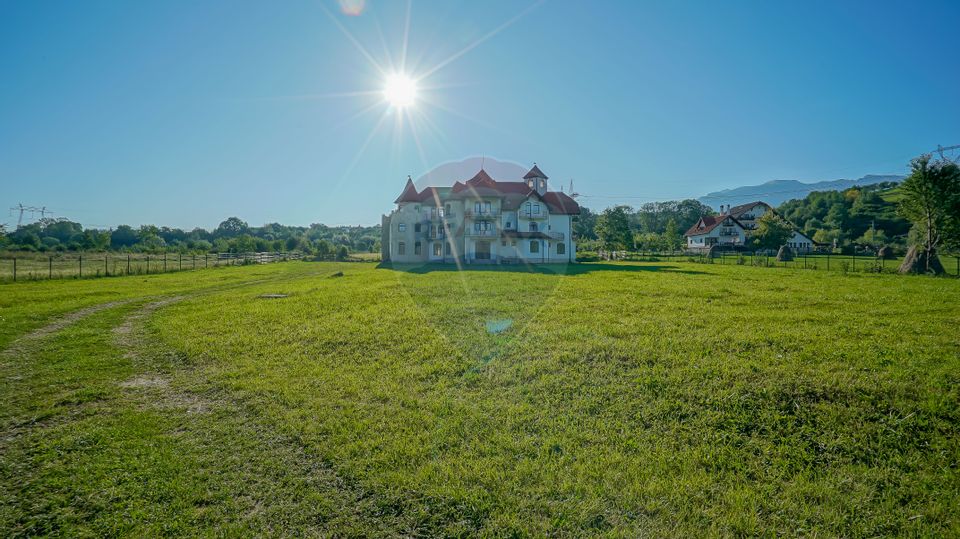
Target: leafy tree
x=931, y=200
x=671, y=236
x=123, y=236
x=231, y=228
x=613, y=228
x=342, y=252
x=772, y=231
x=874, y=237
x=583, y=225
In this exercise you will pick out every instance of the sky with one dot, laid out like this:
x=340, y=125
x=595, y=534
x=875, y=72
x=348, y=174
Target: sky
x=182, y=113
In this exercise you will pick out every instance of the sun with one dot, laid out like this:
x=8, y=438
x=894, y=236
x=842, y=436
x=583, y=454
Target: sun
x=400, y=90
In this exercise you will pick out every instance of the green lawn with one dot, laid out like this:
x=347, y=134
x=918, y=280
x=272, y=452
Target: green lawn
x=663, y=398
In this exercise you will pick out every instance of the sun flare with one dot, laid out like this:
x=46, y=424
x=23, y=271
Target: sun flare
x=400, y=90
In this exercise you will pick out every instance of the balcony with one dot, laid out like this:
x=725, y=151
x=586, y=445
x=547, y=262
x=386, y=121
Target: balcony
x=436, y=218
x=529, y=214
x=474, y=214
x=556, y=236
x=471, y=233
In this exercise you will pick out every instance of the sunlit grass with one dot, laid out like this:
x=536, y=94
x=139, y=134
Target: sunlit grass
x=661, y=398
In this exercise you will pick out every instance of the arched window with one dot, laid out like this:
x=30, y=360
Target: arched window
x=534, y=246
x=561, y=248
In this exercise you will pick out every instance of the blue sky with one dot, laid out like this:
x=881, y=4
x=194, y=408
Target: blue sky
x=182, y=113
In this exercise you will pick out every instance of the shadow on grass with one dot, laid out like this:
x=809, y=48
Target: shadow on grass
x=546, y=269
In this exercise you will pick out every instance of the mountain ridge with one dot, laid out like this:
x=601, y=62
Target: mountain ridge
x=776, y=192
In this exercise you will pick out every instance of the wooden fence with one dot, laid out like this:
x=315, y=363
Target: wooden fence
x=21, y=267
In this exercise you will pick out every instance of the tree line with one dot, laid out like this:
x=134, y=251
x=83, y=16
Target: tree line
x=233, y=235
x=922, y=212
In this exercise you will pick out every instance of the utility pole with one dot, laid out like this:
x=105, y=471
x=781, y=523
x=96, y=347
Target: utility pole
x=32, y=209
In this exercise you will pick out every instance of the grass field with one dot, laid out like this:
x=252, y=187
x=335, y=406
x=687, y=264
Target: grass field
x=662, y=398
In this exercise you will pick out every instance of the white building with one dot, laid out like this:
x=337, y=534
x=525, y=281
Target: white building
x=722, y=230
x=481, y=220
x=734, y=226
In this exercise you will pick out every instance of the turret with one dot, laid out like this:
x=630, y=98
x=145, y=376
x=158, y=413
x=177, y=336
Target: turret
x=536, y=179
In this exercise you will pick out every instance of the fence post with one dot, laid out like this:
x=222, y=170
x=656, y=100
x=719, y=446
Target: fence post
x=828, y=261
x=80, y=258
x=14, y=269
x=106, y=267
x=164, y=262
x=128, y=263
x=181, y=262
x=854, y=259
x=148, y=264
x=50, y=267
x=205, y=260
x=194, y=262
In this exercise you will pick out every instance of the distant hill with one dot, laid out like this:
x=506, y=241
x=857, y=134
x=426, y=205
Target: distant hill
x=777, y=192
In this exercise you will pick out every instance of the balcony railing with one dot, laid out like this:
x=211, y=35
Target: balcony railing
x=427, y=218
x=556, y=236
x=481, y=233
x=473, y=213
x=530, y=214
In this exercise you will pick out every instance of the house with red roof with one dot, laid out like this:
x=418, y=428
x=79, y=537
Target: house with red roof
x=481, y=220
x=734, y=226
x=723, y=230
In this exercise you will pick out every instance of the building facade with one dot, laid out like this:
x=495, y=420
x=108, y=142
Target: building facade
x=734, y=226
x=481, y=220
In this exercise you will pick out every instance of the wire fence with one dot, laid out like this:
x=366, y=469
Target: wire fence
x=25, y=267
x=858, y=263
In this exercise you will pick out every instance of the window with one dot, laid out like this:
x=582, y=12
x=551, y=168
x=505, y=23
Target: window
x=416, y=227
x=561, y=248
x=401, y=248
x=509, y=224
x=526, y=207
x=476, y=226
x=536, y=208
x=486, y=207
x=533, y=227
x=534, y=246
x=402, y=227
x=437, y=248
x=447, y=248
x=446, y=210
x=478, y=207
x=503, y=243
x=417, y=248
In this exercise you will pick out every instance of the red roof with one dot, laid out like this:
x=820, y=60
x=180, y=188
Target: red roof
x=482, y=185
x=535, y=172
x=409, y=193
x=708, y=223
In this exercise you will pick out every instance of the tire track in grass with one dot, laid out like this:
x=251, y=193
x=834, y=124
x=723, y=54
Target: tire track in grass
x=229, y=435
x=20, y=344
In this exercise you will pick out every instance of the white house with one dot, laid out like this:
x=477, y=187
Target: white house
x=708, y=231
x=722, y=230
x=481, y=220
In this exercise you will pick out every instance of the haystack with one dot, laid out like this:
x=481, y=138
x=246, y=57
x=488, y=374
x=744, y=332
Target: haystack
x=785, y=254
x=916, y=262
